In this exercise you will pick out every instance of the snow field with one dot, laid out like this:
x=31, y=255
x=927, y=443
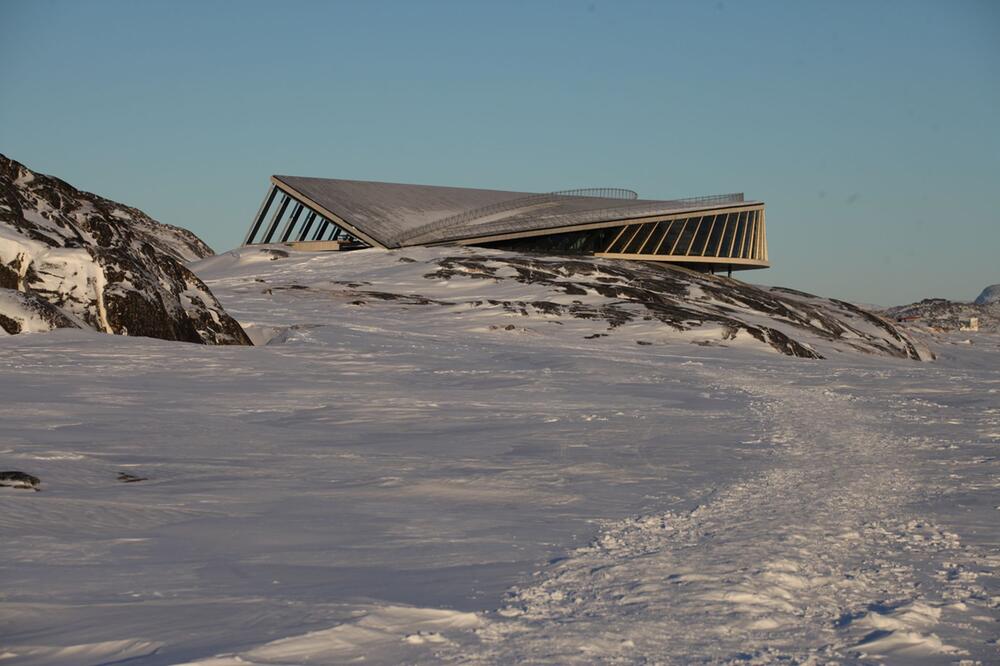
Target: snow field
x=406, y=480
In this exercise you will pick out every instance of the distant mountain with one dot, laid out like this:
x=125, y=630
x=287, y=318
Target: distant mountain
x=989, y=296
x=71, y=259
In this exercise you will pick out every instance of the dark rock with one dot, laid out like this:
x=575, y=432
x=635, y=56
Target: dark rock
x=12, y=479
x=686, y=300
x=125, y=477
x=83, y=261
x=20, y=312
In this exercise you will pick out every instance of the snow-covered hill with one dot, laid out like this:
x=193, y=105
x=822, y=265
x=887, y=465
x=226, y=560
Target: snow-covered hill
x=73, y=259
x=989, y=296
x=501, y=293
x=409, y=473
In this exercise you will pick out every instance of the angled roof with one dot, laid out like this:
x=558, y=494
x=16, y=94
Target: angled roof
x=394, y=214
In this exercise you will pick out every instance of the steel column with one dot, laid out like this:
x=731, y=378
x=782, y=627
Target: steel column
x=307, y=225
x=273, y=226
x=322, y=229
x=261, y=214
x=292, y=219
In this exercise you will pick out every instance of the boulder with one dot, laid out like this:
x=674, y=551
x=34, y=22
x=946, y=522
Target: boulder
x=74, y=259
x=14, y=479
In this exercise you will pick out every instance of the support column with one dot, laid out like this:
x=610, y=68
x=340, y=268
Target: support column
x=261, y=214
x=273, y=226
x=292, y=219
x=321, y=230
x=310, y=218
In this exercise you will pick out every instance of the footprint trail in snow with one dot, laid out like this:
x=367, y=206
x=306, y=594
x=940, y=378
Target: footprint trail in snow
x=817, y=558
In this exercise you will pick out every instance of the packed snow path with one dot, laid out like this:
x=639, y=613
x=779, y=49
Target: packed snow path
x=816, y=558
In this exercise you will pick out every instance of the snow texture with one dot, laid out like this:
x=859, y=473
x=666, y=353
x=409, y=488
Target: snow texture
x=421, y=464
x=70, y=259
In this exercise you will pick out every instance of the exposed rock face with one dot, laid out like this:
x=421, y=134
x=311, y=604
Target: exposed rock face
x=486, y=291
x=14, y=479
x=792, y=322
x=73, y=259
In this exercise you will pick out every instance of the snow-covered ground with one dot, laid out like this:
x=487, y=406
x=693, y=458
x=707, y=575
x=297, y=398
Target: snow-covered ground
x=402, y=477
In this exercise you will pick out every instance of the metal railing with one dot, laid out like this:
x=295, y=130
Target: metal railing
x=599, y=193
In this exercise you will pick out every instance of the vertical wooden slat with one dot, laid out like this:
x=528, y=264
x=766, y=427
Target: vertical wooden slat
x=763, y=237
x=729, y=251
x=687, y=252
x=612, y=243
x=722, y=236
x=743, y=235
x=708, y=236
x=678, y=239
x=638, y=228
x=651, y=232
x=670, y=225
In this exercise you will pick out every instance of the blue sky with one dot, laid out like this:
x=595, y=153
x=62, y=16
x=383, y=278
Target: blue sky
x=870, y=129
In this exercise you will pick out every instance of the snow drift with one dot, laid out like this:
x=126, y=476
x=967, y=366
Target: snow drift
x=71, y=259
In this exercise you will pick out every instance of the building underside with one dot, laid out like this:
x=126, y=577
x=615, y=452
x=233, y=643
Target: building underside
x=720, y=232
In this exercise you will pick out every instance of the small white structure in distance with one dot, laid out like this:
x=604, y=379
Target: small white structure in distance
x=970, y=324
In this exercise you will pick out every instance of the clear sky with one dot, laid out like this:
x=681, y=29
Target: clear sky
x=870, y=129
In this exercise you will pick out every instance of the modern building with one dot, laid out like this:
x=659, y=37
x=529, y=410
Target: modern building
x=717, y=233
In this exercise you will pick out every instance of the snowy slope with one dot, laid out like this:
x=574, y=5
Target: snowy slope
x=403, y=476
x=479, y=288
x=989, y=296
x=73, y=259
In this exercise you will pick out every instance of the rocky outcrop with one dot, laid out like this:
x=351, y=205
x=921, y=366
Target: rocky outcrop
x=601, y=301
x=792, y=322
x=74, y=259
x=14, y=479
x=942, y=314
